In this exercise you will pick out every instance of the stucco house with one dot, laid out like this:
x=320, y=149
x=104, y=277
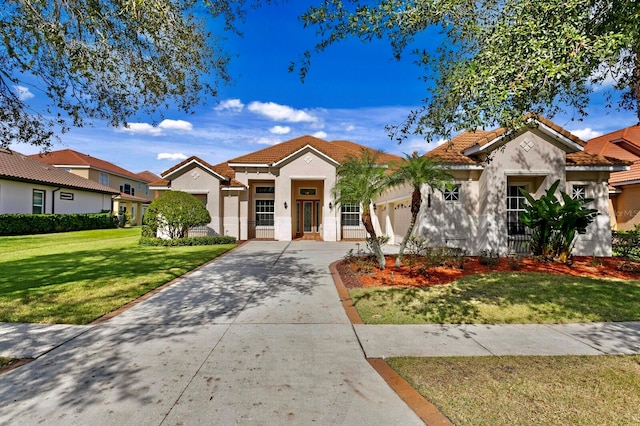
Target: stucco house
x=30, y=186
x=624, y=190
x=281, y=192
x=133, y=189
x=480, y=210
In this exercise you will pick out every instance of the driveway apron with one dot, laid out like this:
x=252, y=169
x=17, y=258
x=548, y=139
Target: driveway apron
x=257, y=336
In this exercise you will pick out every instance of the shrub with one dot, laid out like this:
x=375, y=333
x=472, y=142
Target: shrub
x=489, y=258
x=554, y=224
x=24, y=224
x=626, y=243
x=174, y=212
x=191, y=241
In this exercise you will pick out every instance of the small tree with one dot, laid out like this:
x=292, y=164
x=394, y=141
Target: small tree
x=175, y=212
x=416, y=171
x=555, y=224
x=360, y=180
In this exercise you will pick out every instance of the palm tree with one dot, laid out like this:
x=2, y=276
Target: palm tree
x=360, y=180
x=416, y=171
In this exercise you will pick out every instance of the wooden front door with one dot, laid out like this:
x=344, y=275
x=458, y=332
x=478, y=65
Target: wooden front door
x=308, y=220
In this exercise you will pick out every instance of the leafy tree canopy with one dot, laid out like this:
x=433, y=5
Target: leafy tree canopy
x=174, y=212
x=498, y=60
x=106, y=59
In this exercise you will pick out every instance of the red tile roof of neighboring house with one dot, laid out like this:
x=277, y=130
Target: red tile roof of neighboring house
x=15, y=166
x=69, y=157
x=451, y=152
x=336, y=150
x=148, y=176
x=623, y=144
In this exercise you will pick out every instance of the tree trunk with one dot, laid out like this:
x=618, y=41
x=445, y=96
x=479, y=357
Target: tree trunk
x=375, y=244
x=416, y=202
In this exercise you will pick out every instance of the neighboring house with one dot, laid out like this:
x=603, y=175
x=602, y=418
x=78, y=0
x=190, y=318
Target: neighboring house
x=480, y=211
x=133, y=189
x=624, y=190
x=30, y=186
x=281, y=192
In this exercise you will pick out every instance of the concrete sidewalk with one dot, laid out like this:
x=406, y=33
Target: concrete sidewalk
x=384, y=341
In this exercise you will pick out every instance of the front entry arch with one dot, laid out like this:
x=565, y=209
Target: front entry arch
x=307, y=216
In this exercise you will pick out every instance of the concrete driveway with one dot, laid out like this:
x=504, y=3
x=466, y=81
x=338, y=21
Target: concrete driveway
x=256, y=337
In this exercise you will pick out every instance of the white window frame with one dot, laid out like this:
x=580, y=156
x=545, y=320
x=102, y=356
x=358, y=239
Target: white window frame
x=515, y=205
x=355, y=213
x=265, y=208
x=41, y=206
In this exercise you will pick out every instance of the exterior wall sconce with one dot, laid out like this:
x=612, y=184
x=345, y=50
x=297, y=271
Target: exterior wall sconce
x=330, y=205
x=375, y=207
x=285, y=205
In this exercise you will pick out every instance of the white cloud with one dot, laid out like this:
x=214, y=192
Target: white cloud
x=350, y=128
x=280, y=130
x=175, y=125
x=320, y=135
x=267, y=141
x=586, y=133
x=171, y=156
x=23, y=93
x=142, y=128
x=230, y=104
x=279, y=112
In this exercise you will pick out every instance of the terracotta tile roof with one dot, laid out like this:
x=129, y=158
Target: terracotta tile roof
x=15, y=166
x=632, y=175
x=337, y=150
x=623, y=144
x=222, y=169
x=148, y=176
x=69, y=157
x=451, y=152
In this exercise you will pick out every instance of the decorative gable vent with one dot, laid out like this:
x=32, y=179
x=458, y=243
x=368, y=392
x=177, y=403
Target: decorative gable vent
x=526, y=145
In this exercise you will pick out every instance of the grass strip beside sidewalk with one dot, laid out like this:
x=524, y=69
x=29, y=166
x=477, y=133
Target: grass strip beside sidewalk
x=76, y=277
x=585, y=390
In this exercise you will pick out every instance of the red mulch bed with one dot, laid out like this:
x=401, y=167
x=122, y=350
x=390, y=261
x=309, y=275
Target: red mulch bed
x=601, y=267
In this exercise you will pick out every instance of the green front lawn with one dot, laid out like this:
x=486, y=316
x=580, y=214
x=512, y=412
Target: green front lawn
x=567, y=390
x=503, y=298
x=77, y=277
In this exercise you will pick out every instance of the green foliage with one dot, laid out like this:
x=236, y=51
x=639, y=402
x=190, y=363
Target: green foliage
x=626, y=243
x=107, y=60
x=360, y=180
x=416, y=171
x=189, y=241
x=555, y=224
x=497, y=61
x=174, y=212
x=25, y=224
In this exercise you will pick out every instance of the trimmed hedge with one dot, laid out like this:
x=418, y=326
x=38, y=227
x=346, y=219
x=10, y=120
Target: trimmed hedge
x=190, y=241
x=25, y=224
x=626, y=243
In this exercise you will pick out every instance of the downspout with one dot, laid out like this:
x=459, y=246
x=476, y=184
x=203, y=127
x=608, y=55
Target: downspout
x=53, y=200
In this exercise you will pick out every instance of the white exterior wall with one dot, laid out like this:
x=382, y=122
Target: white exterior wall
x=231, y=213
x=17, y=197
x=197, y=180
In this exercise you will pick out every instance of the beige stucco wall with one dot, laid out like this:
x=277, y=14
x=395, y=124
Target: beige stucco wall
x=17, y=197
x=626, y=207
x=307, y=165
x=196, y=180
x=478, y=220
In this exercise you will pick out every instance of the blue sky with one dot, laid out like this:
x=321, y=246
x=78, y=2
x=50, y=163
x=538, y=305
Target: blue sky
x=351, y=92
